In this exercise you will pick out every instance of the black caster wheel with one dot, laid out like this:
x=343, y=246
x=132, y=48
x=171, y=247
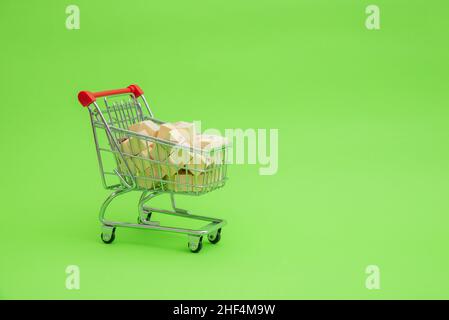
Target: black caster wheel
x=196, y=247
x=108, y=237
x=215, y=237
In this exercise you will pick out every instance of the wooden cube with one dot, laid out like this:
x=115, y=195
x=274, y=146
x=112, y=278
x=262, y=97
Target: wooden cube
x=167, y=170
x=143, y=159
x=138, y=144
x=208, y=141
x=169, y=132
x=151, y=128
x=183, y=181
x=198, y=164
x=187, y=129
x=160, y=152
x=149, y=179
x=125, y=147
x=178, y=137
x=122, y=165
x=179, y=157
x=164, y=131
x=214, y=145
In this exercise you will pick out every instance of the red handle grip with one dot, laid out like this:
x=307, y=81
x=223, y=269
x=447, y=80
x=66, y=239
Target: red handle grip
x=87, y=97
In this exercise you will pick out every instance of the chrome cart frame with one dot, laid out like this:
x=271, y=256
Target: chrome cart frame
x=110, y=120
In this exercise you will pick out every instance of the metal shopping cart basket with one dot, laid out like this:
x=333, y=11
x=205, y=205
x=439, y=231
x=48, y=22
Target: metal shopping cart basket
x=111, y=117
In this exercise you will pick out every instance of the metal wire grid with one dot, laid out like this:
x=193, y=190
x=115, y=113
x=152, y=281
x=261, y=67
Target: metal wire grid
x=144, y=173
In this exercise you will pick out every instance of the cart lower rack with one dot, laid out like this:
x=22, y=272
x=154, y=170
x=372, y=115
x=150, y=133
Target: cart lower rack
x=110, y=118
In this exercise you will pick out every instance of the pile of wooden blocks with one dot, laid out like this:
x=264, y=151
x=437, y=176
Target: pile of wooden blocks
x=171, y=160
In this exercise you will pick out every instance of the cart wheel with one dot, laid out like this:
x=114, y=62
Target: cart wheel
x=196, y=246
x=214, y=237
x=147, y=218
x=108, y=237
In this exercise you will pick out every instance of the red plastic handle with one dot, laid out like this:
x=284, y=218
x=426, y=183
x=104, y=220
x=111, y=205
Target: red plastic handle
x=87, y=97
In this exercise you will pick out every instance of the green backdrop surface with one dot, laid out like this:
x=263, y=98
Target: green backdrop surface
x=363, y=173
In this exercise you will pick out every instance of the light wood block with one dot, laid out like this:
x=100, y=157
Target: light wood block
x=131, y=165
x=151, y=128
x=143, y=159
x=187, y=129
x=183, y=181
x=179, y=157
x=149, y=179
x=137, y=144
x=198, y=164
x=160, y=152
x=208, y=141
x=125, y=147
x=164, y=131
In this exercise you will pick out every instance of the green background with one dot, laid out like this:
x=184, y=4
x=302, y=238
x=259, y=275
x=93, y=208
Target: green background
x=363, y=173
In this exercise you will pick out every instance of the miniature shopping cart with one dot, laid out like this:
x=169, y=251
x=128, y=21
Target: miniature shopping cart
x=111, y=117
